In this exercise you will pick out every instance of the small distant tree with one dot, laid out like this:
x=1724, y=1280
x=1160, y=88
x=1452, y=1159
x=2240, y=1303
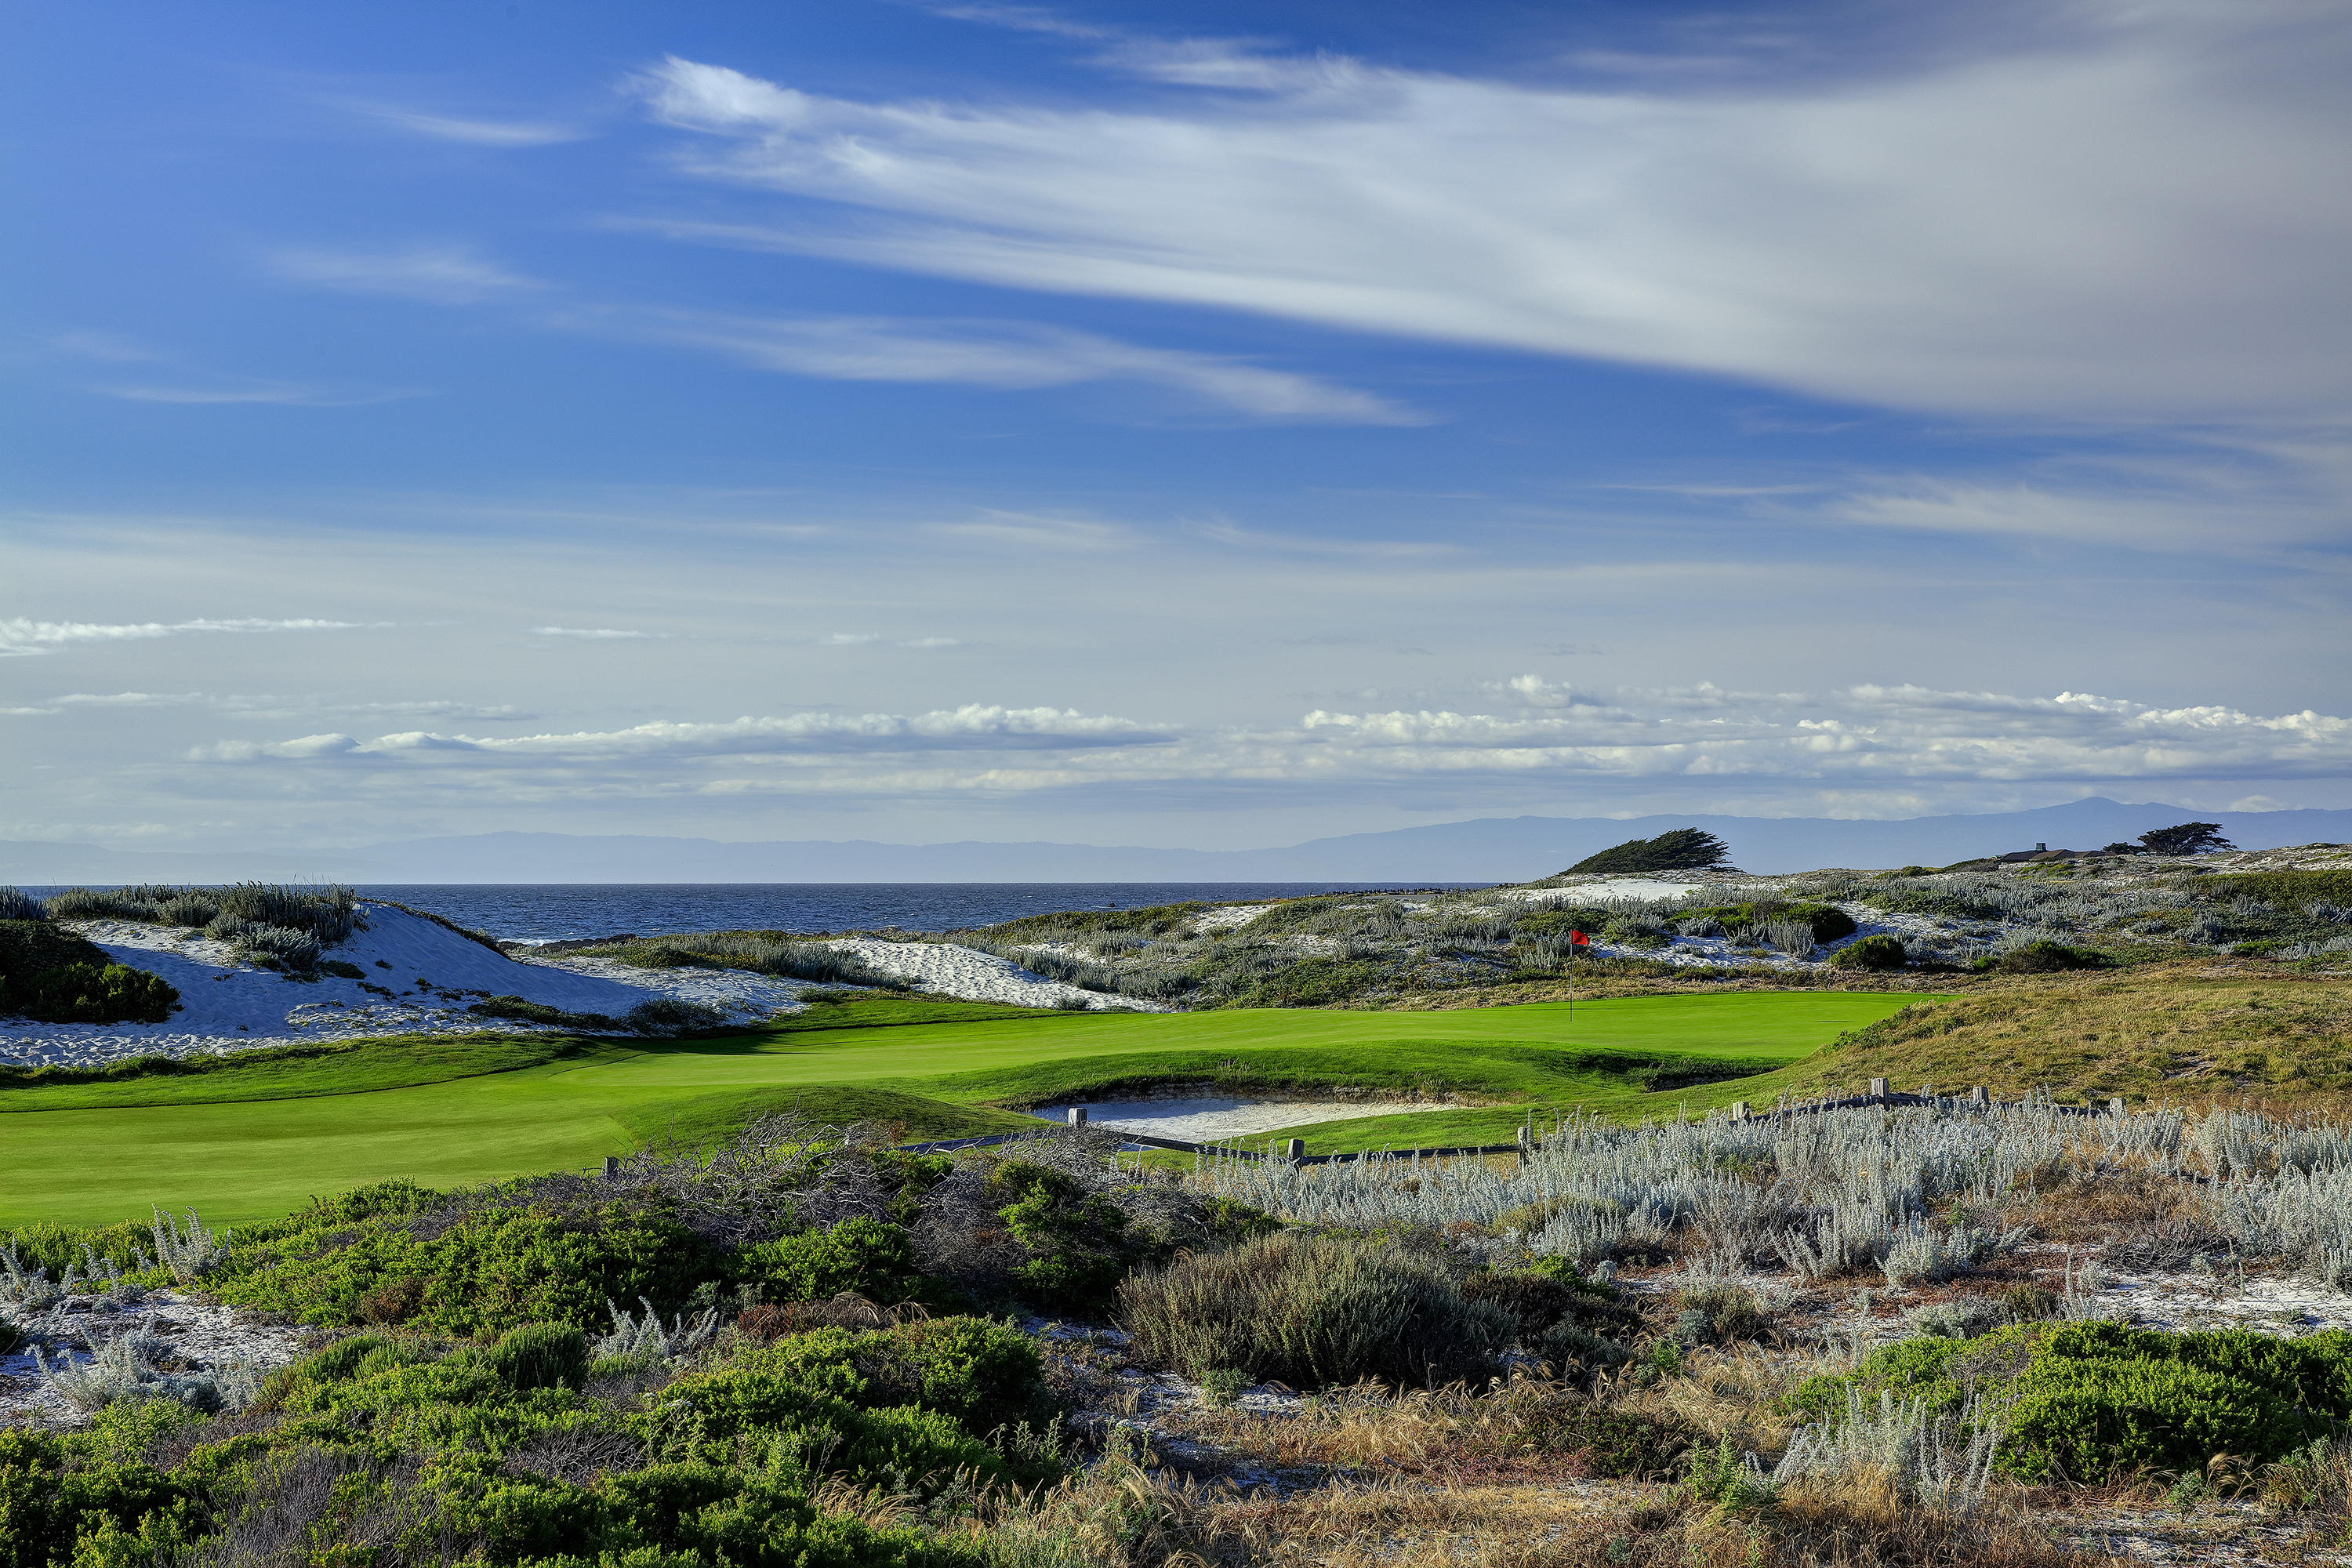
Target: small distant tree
x=1684, y=850
x=2188, y=839
x=2125, y=849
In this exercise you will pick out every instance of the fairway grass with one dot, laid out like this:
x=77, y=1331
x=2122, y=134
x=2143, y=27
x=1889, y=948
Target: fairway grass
x=68, y=1157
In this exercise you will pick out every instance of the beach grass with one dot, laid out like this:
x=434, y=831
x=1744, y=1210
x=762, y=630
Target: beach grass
x=73, y=1158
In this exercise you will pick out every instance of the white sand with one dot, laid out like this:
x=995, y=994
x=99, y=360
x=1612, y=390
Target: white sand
x=1228, y=915
x=979, y=976
x=203, y=1334
x=419, y=979
x=1203, y=1121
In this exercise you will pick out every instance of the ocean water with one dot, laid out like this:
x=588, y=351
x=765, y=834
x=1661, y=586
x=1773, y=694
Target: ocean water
x=558, y=911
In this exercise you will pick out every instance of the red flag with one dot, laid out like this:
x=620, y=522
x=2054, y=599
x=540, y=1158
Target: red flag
x=1578, y=939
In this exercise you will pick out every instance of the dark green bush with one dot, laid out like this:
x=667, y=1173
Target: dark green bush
x=91, y=994
x=542, y=1355
x=2099, y=1398
x=2041, y=958
x=488, y=1271
x=57, y=977
x=1079, y=1242
x=2088, y=1400
x=984, y=1374
x=538, y=1013
x=864, y=1256
x=1826, y=922
x=1312, y=1311
x=1873, y=953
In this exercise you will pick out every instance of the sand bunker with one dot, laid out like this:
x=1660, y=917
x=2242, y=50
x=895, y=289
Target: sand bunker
x=1204, y=1120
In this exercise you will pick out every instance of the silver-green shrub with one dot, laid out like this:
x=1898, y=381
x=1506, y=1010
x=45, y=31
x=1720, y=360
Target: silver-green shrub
x=191, y=1253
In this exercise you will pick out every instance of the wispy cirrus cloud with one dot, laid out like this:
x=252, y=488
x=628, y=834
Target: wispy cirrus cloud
x=434, y=274
x=2141, y=213
x=21, y=637
x=268, y=704
x=1013, y=355
x=473, y=131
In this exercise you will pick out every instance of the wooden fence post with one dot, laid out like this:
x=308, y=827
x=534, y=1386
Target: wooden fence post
x=1077, y=1116
x=1879, y=1088
x=1297, y=1150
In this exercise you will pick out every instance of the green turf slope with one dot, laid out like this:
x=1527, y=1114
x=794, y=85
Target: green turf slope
x=241, y=1159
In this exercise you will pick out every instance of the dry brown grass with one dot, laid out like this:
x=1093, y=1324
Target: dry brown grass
x=1739, y=1392
x=1522, y=1428
x=1118, y=1516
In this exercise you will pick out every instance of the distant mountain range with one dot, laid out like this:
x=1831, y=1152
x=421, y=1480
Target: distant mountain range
x=1496, y=849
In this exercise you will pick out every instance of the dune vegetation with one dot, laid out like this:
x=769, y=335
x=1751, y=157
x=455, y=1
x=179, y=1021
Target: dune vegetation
x=2009, y=1333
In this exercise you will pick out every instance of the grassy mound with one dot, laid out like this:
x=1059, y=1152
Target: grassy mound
x=2146, y=1033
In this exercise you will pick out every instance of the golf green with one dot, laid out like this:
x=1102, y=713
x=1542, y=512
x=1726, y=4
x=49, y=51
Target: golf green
x=85, y=1162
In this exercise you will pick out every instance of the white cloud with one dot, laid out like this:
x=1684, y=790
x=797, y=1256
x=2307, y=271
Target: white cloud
x=1009, y=354
x=438, y=275
x=2143, y=213
x=1861, y=742
x=477, y=132
x=19, y=636
x=972, y=727
x=598, y=633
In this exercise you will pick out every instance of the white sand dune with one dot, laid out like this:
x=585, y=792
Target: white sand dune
x=980, y=976
x=419, y=977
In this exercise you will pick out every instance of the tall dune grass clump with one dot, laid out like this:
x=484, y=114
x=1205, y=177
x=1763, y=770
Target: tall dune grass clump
x=1312, y=1311
x=327, y=915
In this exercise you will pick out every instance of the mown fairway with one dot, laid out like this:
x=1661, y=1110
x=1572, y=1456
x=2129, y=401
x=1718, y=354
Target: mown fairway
x=240, y=1144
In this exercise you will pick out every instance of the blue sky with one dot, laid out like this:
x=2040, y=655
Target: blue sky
x=1196, y=425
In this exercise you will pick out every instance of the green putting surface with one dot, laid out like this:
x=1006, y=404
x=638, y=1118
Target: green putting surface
x=244, y=1158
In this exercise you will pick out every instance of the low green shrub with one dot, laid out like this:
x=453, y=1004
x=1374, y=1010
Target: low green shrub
x=2042, y=957
x=486, y=1272
x=517, y=1008
x=31, y=947
x=862, y=1256
x=984, y=1374
x=542, y=1355
x=1312, y=1311
x=1880, y=953
x=2099, y=1398
x=1079, y=1242
x=91, y=994
x=1826, y=922
x=2087, y=1400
